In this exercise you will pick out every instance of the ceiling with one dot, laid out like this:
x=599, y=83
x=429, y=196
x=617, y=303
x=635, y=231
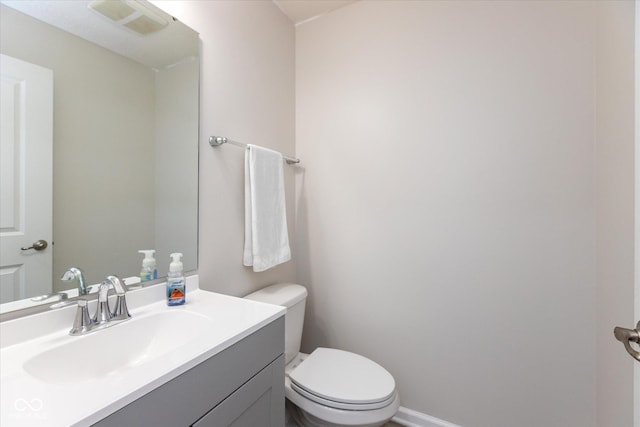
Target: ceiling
x=164, y=48
x=300, y=11
x=76, y=18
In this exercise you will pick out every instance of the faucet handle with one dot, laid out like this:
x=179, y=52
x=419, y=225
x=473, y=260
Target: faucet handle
x=82, y=323
x=118, y=285
x=103, y=314
x=120, y=311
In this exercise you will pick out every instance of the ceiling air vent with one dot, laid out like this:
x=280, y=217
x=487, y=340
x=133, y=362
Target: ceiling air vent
x=131, y=14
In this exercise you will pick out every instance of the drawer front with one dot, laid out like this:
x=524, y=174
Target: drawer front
x=259, y=402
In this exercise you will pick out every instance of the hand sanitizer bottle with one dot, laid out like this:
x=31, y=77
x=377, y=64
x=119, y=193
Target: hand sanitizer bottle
x=176, y=289
x=149, y=270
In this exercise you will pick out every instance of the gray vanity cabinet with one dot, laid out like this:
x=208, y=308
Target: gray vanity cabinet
x=242, y=386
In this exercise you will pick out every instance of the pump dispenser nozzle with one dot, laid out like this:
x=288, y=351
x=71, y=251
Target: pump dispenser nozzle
x=149, y=270
x=148, y=255
x=176, y=263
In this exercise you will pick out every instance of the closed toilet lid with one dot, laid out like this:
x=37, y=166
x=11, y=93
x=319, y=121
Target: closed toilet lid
x=343, y=377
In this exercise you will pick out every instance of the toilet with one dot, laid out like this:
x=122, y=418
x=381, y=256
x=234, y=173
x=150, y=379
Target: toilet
x=328, y=387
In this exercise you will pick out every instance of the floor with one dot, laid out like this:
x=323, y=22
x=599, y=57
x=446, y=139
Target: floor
x=290, y=422
x=389, y=424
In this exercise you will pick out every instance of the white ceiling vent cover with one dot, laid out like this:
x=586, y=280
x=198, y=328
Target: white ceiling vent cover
x=130, y=14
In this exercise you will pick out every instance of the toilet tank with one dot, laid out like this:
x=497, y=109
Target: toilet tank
x=293, y=297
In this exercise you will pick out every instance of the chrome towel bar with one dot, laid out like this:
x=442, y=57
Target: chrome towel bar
x=216, y=141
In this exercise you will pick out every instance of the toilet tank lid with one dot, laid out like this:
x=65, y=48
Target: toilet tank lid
x=284, y=294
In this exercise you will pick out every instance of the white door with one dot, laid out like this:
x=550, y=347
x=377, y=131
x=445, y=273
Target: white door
x=617, y=226
x=26, y=175
x=635, y=349
x=629, y=336
x=636, y=372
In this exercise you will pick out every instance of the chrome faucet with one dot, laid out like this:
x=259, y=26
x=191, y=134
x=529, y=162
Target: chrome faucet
x=76, y=273
x=120, y=311
x=103, y=316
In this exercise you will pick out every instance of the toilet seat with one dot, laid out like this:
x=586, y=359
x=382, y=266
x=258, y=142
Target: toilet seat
x=341, y=405
x=343, y=380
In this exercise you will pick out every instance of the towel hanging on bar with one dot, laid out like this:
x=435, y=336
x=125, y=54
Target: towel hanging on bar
x=216, y=141
x=266, y=242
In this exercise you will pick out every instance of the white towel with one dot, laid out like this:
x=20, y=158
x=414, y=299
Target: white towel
x=266, y=239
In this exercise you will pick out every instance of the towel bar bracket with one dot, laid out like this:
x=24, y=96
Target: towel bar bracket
x=216, y=141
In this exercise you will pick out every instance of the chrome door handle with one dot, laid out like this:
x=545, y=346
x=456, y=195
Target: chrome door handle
x=38, y=246
x=626, y=336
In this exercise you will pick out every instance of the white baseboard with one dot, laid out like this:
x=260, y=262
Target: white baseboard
x=410, y=418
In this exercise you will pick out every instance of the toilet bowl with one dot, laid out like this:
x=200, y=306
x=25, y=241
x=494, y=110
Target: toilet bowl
x=328, y=387
x=337, y=388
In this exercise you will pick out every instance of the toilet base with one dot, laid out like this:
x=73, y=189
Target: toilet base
x=289, y=419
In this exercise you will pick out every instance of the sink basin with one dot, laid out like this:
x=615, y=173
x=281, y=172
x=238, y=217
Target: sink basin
x=118, y=348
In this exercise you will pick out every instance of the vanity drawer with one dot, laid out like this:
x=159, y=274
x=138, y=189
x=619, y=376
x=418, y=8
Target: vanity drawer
x=187, y=398
x=259, y=402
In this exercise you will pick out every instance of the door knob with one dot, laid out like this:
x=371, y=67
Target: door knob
x=38, y=246
x=626, y=336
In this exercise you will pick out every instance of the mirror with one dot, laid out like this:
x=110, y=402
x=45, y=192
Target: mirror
x=123, y=143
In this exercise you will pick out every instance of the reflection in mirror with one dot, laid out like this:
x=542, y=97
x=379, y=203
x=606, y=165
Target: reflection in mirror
x=106, y=165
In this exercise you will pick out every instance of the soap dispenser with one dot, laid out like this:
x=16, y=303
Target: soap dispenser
x=149, y=270
x=176, y=289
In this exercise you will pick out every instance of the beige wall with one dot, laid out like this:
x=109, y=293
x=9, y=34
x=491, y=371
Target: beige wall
x=446, y=213
x=615, y=201
x=446, y=202
x=246, y=94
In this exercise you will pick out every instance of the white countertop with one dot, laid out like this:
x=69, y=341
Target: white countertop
x=30, y=401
